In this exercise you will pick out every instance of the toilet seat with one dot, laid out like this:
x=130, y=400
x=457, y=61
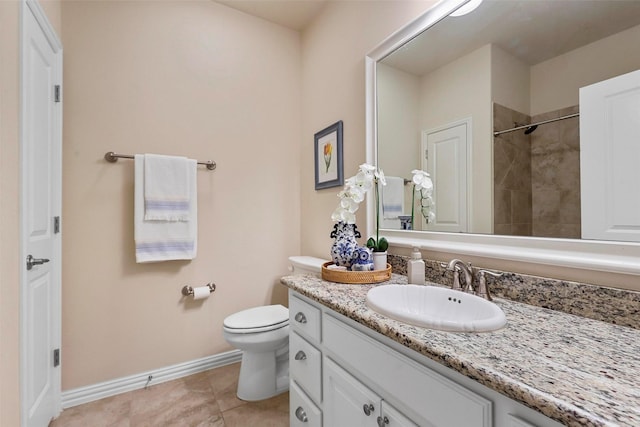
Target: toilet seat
x=257, y=319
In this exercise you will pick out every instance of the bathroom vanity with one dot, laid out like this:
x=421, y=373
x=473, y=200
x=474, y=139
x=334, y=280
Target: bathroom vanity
x=350, y=366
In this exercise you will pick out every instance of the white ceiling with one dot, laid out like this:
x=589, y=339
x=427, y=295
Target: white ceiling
x=294, y=14
x=531, y=30
x=514, y=25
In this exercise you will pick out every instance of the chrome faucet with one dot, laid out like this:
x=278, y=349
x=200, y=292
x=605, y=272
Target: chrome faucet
x=483, y=289
x=457, y=266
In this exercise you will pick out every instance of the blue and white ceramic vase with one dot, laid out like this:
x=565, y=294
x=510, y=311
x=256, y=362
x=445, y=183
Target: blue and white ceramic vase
x=362, y=259
x=344, y=244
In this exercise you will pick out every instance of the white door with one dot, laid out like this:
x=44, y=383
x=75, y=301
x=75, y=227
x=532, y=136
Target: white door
x=347, y=402
x=40, y=205
x=445, y=157
x=609, y=159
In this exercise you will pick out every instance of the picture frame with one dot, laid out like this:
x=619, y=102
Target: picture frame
x=329, y=167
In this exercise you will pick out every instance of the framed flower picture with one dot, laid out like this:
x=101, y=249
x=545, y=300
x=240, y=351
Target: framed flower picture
x=328, y=157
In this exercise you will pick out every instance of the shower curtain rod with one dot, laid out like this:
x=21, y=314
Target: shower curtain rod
x=536, y=124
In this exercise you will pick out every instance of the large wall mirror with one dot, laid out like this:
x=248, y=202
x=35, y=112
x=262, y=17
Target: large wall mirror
x=492, y=104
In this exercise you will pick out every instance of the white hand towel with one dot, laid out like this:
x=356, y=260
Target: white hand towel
x=164, y=240
x=166, y=188
x=393, y=197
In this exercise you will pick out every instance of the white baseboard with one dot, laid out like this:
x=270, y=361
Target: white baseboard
x=93, y=392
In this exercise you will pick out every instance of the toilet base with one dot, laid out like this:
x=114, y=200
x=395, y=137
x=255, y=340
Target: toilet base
x=263, y=375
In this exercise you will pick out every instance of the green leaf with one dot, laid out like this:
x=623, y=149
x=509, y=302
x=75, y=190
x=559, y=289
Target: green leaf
x=383, y=245
x=371, y=243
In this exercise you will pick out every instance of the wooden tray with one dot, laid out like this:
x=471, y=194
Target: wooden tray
x=355, y=277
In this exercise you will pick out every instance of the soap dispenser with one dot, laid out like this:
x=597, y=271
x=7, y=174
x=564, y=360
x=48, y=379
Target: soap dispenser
x=415, y=268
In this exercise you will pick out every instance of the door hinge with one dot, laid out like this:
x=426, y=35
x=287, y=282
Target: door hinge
x=426, y=154
x=56, y=93
x=56, y=224
x=56, y=357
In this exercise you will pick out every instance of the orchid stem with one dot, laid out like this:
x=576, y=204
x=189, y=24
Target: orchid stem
x=413, y=204
x=377, y=213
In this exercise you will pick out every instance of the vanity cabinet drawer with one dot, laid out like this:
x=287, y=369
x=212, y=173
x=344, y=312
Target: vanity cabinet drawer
x=302, y=412
x=305, y=318
x=305, y=366
x=518, y=422
x=433, y=399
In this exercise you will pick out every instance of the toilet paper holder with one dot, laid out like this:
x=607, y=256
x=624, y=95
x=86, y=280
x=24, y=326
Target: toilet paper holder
x=188, y=290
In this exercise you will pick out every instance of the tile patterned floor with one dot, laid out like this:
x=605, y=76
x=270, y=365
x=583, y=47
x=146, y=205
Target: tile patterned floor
x=207, y=399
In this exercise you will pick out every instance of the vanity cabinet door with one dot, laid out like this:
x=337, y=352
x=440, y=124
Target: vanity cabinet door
x=305, y=319
x=518, y=422
x=347, y=402
x=391, y=417
x=303, y=412
x=305, y=366
x=433, y=399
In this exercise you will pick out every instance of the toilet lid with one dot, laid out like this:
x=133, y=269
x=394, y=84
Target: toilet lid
x=258, y=319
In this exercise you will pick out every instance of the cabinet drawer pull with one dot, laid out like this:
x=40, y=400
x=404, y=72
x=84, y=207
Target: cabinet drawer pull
x=368, y=409
x=300, y=355
x=301, y=415
x=300, y=318
x=383, y=421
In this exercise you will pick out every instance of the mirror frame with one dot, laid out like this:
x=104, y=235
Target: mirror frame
x=606, y=256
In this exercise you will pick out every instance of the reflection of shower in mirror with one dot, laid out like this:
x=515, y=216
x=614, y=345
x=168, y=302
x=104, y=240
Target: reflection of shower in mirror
x=528, y=129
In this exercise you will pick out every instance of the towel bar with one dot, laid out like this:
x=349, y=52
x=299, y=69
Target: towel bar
x=112, y=157
x=188, y=290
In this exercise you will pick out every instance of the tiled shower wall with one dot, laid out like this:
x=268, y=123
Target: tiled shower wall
x=537, y=176
x=511, y=175
x=555, y=176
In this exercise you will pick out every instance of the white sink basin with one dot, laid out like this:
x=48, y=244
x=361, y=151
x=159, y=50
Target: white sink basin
x=436, y=308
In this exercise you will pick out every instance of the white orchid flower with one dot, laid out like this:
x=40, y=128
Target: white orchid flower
x=357, y=194
x=367, y=168
x=422, y=180
x=349, y=204
x=349, y=183
x=337, y=215
x=364, y=180
x=349, y=217
x=343, y=216
x=354, y=192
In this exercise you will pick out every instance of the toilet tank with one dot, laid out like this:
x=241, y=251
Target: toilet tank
x=299, y=265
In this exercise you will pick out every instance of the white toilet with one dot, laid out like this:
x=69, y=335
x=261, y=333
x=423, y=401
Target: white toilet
x=262, y=333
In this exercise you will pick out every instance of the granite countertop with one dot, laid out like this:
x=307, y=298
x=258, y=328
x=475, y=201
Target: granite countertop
x=578, y=371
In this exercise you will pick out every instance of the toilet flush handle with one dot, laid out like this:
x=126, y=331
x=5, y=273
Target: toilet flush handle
x=300, y=318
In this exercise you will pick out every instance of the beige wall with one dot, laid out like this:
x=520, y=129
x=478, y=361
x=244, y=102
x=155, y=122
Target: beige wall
x=9, y=204
x=398, y=95
x=510, y=81
x=398, y=113
x=186, y=78
x=334, y=47
x=555, y=83
x=454, y=92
